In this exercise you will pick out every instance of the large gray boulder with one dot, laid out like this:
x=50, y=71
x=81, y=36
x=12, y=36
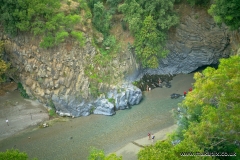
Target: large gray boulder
x=120, y=97
x=125, y=96
x=103, y=106
x=71, y=106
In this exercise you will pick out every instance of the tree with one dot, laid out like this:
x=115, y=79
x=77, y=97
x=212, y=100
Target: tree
x=147, y=44
x=216, y=93
x=96, y=154
x=39, y=17
x=101, y=18
x=3, y=65
x=149, y=21
x=13, y=155
x=226, y=11
x=198, y=2
x=213, y=114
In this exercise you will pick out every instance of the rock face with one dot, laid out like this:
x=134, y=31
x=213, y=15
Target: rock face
x=59, y=74
x=195, y=42
x=121, y=97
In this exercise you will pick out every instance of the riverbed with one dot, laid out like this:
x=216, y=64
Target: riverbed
x=72, y=139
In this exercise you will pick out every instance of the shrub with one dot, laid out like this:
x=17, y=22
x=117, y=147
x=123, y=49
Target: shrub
x=110, y=41
x=13, y=154
x=79, y=36
x=22, y=91
x=101, y=18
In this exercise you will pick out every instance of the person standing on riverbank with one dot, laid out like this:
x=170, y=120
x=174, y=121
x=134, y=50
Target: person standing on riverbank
x=184, y=93
x=147, y=88
x=159, y=82
x=149, y=136
x=153, y=137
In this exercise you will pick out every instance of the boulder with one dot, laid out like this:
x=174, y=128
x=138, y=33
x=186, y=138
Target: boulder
x=103, y=106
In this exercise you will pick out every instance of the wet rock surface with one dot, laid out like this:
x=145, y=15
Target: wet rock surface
x=149, y=82
x=120, y=97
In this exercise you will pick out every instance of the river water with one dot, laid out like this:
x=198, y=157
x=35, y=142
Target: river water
x=72, y=140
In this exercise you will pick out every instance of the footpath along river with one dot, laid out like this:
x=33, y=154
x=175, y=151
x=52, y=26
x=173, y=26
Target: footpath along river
x=72, y=140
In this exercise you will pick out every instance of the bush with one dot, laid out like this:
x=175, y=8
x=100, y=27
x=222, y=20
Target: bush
x=13, y=154
x=79, y=36
x=22, y=91
x=101, y=18
x=226, y=11
x=96, y=154
x=149, y=21
x=41, y=18
x=110, y=41
x=198, y=2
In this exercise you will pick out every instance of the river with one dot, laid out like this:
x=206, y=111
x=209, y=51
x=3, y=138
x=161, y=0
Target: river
x=72, y=140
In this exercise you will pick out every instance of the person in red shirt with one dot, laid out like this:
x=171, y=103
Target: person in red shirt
x=184, y=93
x=190, y=89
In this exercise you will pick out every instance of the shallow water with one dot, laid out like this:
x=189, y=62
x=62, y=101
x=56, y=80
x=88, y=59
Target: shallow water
x=72, y=139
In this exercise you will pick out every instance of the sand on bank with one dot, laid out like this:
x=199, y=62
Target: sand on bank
x=20, y=113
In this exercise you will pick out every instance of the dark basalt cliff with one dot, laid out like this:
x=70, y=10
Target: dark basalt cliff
x=195, y=42
x=58, y=75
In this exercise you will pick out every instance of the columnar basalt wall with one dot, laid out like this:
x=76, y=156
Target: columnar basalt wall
x=58, y=75
x=195, y=42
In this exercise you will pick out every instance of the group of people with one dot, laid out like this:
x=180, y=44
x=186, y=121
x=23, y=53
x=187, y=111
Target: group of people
x=151, y=136
x=159, y=84
x=148, y=88
x=185, y=93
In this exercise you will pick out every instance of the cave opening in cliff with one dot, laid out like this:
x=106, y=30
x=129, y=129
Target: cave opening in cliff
x=200, y=69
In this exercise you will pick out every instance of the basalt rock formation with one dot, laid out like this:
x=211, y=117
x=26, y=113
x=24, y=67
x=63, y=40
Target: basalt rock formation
x=58, y=74
x=195, y=42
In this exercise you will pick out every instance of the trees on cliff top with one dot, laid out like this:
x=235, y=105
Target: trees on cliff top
x=226, y=11
x=213, y=115
x=149, y=21
x=3, y=65
x=43, y=17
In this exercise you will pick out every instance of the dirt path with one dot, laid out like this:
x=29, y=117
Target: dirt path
x=19, y=112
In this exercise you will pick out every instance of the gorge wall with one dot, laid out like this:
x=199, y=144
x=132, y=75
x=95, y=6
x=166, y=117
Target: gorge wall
x=58, y=75
x=195, y=42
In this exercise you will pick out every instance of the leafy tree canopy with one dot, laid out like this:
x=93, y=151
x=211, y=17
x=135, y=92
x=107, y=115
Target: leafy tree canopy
x=213, y=114
x=149, y=21
x=226, y=11
x=14, y=154
x=3, y=65
x=96, y=154
x=43, y=17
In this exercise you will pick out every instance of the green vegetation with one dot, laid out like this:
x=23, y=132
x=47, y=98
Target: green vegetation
x=210, y=116
x=96, y=154
x=3, y=65
x=22, y=91
x=226, y=11
x=14, y=154
x=99, y=72
x=199, y=2
x=52, y=111
x=101, y=18
x=149, y=21
x=41, y=18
